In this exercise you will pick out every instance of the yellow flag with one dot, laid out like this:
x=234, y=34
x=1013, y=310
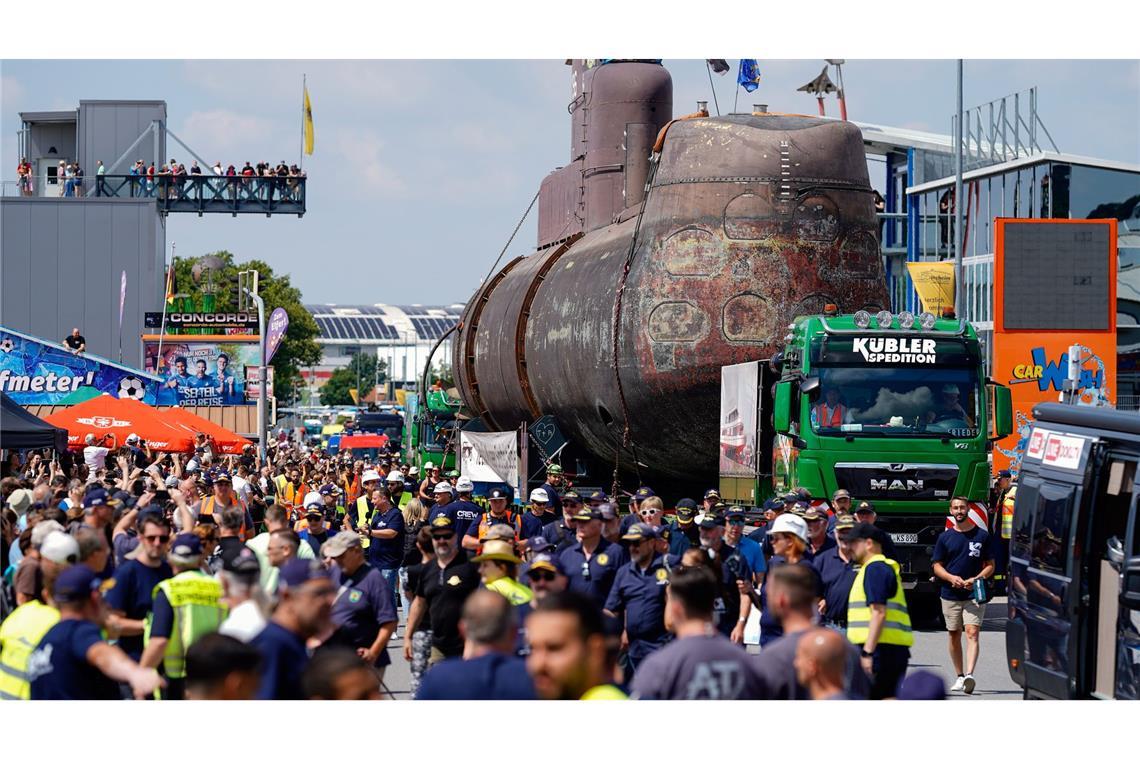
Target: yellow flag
x=308, y=124
x=934, y=283
x=355, y=395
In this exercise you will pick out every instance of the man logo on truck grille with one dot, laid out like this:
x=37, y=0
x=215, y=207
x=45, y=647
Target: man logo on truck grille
x=895, y=350
x=896, y=485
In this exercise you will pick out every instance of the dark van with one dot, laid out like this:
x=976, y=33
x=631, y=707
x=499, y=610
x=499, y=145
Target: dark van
x=1074, y=575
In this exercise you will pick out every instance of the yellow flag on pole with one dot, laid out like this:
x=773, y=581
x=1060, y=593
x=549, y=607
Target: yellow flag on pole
x=308, y=124
x=934, y=283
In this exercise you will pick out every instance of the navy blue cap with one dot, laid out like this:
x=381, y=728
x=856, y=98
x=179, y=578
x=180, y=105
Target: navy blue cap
x=922, y=684
x=639, y=532
x=245, y=562
x=711, y=520
x=686, y=504
x=712, y=493
x=791, y=497
x=76, y=582
x=775, y=504
x=1003, y=474
x=572, y=496
x=499, y=493
x=186, y=546
x=866, y=530
x=538, y=545
x=643, y=493
x=598, y=496
x=297, y=572
x=586, y=514
x=328, y=489
x=736, y=510
x=98, y=497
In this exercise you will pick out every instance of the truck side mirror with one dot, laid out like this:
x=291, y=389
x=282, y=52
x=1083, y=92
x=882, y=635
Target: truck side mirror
x=1130, y=585
x=782, y=407
x=810, y=387
x=1003, y=410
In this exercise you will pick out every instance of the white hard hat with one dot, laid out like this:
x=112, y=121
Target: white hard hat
x=464, y=485
x=443, y=487
x=429, y=465
x=314, y=499
x=369, y=476
x=793, y=524
x=540, y=495
x=414, y=471
x=60, y=548
x=395, y=477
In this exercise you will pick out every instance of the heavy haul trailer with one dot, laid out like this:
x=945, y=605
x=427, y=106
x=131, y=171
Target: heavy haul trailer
x=896, y=409
x=667, y=248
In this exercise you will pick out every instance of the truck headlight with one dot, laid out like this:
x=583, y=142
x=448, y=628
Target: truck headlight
x=862, y=319
x=906, y=320
x=926, y=320
x=884, y=319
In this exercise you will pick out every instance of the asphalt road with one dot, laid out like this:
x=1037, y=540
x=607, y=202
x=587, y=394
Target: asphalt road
x=929, y=653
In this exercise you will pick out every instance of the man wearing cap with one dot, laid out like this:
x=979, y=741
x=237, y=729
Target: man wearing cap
x=1002, y=498
x=396, y=491
x=385, y=530
x=444, y=504
x=29, y=580
x=711, y=500
x=551, y=486
x=432, y=478
x=72, y=661
x=130, y=596
x=734, y=518
x=592, y=562
x=242, y=593
x=489, y=668
x=316, y=531
x=637, y=597
x=223, y=497
x=865, y=513
x=537, y=517
x=686, y=510
x=788, y=535
x=700, y=663
x=443, y=588
x=837, y=571
x=736, y=578
x=877, y=616
x=185, y=608
x=948, y=408
x=841, y=505
x=363, y=612
x=497, y=515
x=304, y=607
x=562, y=532
x=818, y=540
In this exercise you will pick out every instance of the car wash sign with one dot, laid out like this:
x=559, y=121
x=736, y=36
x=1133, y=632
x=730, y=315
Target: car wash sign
x=893, y=350
x=35, y=371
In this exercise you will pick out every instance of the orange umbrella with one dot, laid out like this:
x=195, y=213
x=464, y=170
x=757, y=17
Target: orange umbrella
x=227, y=441
x=119, y=417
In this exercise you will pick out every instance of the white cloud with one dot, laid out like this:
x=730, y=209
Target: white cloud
x=11, y=92
x=364, y=160
x=224, y=132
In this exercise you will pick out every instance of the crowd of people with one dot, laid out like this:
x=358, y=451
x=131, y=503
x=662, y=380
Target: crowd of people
x=136, y=573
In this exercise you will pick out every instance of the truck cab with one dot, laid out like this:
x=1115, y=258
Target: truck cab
x=1074, y=574
x=897, y=410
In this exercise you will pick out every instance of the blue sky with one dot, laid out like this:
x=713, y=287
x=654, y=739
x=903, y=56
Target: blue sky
x=422, y=168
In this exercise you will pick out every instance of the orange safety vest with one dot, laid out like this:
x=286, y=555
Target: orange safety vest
x=351, y=489
x=294, y=495
x=485, y=523
x=208, y=509
x=837, y=414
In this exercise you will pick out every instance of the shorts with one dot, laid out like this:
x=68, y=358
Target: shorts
x=959, y=612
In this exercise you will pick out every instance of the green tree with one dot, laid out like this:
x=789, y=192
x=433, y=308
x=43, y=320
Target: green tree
x=360, y=374
x=299, y=348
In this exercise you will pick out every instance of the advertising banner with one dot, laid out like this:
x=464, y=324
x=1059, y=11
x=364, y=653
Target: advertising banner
x=252, y=386
x=490, y=457
x=202, y=370
x=177, y=319
x=35, y=371
x=275, y=332
x=739, y=384
x=934, y=283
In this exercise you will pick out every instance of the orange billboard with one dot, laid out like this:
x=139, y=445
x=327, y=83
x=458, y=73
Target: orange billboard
x=1054, y=289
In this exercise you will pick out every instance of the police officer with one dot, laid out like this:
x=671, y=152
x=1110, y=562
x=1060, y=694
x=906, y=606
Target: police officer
x=837, y=570
x=877, y=616
x=562, y=533
x=592, y=562
x=638, y=595
x=186, y=608
x=498, y=514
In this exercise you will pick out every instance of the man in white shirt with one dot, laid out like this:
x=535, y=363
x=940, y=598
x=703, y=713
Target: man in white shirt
x=242, y=593
x=95, y=454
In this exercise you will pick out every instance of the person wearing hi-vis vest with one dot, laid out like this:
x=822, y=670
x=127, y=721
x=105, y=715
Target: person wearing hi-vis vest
x=831, y=412
x=498, y=514
x=877, y=616
x=359, y=515
x=185, y=608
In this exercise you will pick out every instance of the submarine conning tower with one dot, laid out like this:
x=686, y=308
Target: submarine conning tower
x=750, y=221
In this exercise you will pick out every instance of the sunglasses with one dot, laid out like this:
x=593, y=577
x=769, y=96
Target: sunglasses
x=586, y=570
x=152, y=539
x=649, y=512
x=442, y=536
x=542, y=575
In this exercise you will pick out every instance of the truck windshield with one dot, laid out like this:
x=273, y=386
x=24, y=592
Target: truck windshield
x=896, y=402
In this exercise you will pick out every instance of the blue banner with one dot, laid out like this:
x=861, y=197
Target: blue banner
x=749, y=75
x=35, y=371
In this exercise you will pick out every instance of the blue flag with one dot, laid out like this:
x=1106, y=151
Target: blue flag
x=749, y=76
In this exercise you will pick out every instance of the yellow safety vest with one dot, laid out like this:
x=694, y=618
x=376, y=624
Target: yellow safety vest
x=362, y=519
x=1007, y=513
x=513, y=591
x=196, y=599
x=20, y=634
x=604, y=692
x=896, y=628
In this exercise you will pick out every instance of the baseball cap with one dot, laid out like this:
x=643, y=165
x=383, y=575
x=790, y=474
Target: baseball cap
x=540, y=495
x=845, y=522
x=1002, y=474
x=865, y=530
x=74, y=583
x=441, y=524
x=395, y=476
x=313, y=500
x=413, y=471
x=865, y=507
x=297, y=572
x=711, y=520
x=498, y=493
x=712, y=493
x=60, y=547
x=328, y=489
x=340, y=543
x=572, y=496
x=598, y=495
x=793, y=524
x=41, y=531
x=186, y=546
x=776, y=504
x=221, y=476
x=245, y=562
x=497, y=549
x=585, y=514
x=815, y=513
x=452, y=473
x=499, y=532
x=608, y=511
x=686, y=510
x=464, y=485
x=842, y=493
x=922, y=684
x=643, y=493
x=133, y=438
x=192, y=466
x=442, y=487
x=735, y=511
x=172, y=481
x=542, y=562
x=538, y=545
x=791, y=497
x=98, y=497
x=639, y=532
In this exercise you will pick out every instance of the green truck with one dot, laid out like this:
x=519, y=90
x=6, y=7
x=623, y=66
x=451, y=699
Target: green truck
x=895, y=408
x=429, y=432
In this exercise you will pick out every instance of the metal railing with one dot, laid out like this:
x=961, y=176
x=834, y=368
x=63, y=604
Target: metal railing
x=1002, y=130
x=1128, y=403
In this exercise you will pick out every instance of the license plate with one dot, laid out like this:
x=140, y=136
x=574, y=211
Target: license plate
x=904, y=538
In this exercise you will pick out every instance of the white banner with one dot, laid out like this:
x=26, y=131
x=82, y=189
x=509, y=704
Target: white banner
x=489, y=457
x=739, y=385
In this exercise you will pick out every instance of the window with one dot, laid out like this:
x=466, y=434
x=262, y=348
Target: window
x=1021, y=540
x=1052, y=519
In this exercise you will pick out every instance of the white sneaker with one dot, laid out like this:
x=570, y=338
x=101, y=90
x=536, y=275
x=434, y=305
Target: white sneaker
x=968, y=683
x=960, y=684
